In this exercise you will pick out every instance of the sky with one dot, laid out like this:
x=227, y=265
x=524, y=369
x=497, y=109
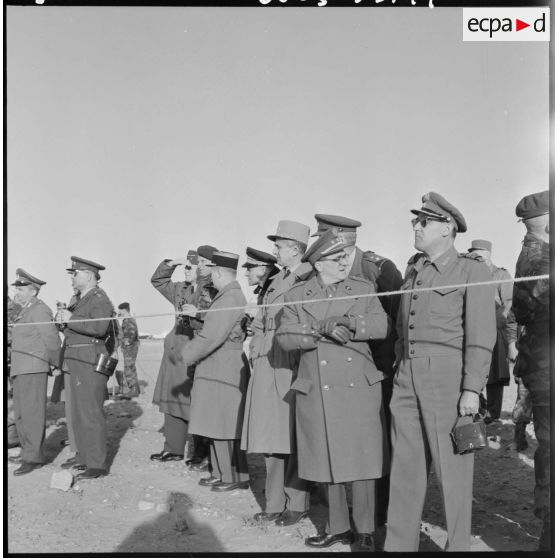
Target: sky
x=137, y=133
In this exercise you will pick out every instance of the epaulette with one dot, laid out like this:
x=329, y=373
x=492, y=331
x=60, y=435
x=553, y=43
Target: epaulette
x=472, y=256
x=359, y=279
x=414, y=258
x=373, y=257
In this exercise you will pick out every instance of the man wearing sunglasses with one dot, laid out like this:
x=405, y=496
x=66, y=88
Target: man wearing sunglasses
x=444, y=347
x=340, y=423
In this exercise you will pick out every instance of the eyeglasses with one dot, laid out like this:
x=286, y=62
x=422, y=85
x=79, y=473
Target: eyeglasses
x=425, y=220
x=339, y=259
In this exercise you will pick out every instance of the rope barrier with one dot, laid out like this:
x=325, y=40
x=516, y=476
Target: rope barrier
x=312, y=301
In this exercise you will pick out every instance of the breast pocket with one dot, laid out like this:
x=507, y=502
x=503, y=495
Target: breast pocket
x=446, y=301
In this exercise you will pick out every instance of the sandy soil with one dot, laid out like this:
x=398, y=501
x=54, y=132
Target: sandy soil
x=144, y=506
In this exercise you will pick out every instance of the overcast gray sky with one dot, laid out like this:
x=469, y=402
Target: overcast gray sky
x=135, y=134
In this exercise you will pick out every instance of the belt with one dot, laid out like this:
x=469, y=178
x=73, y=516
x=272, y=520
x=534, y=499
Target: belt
x=85, y=344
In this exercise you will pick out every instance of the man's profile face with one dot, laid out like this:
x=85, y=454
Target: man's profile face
x=284, y=250
x=334, y=268
x=428, y=232
x=204, y=266
x=23, y=294
x=255, y=274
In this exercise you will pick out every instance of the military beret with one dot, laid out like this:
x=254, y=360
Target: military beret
x=481, y=245
x=225, y=259
x=206, y=251
x=327, y=244
x=437, y=207
x=192, y=257
x=124, y=306
x=24, y=278
x=257, y=257
x=291, y=230
x=533, y=205
x=326, y=222
x=80, y=264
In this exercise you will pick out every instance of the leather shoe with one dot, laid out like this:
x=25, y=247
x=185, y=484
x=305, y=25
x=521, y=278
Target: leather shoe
x=91, y=474
x=166, y=456
x=265, y=516
x=324, y=540
x=200, y=467
x=26, y=467
x=289, y=517
x=228, y=486
x=363, y=543
x=71, y=462
x=194, y=460
x=209, y=481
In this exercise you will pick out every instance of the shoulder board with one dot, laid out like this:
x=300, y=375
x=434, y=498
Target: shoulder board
x=373, y=257
x=471, y=256
x=358, y=279
x=414, y=258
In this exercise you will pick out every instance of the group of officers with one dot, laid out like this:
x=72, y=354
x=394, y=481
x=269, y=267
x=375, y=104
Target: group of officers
x=355, y=375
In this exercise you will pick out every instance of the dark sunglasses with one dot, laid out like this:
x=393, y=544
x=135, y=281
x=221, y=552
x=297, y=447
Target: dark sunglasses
x=425, y=220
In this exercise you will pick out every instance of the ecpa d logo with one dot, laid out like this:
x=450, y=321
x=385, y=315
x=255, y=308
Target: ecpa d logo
x=506, y=24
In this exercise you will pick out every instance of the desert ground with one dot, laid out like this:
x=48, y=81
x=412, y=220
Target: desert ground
x=146, y=506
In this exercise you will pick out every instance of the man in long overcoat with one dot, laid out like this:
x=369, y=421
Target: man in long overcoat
x=340, y=422
x=174, y=382
x=35, y=347
x=269, y=415
x=220, y=381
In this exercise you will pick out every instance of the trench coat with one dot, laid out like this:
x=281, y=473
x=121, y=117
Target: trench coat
x=174, y=381
x=340, y=421
x=34, y=347
x=269, y=415
x=219, y=389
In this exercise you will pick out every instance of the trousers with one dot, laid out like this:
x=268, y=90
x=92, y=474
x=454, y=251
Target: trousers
x=284, y=489
x=364, y=503
x=228, y=460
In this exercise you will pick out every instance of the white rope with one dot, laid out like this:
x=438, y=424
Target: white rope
x=312, y=301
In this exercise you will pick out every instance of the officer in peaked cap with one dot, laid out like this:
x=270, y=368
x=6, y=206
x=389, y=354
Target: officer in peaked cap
x=385, y=276
x=340, y=423
x=220, y=381
x=533, y=205
x=499, y=375
x=172, y=393
x=35, y=347
x=531, y=308
x=85, y=342
x=260, y=269
x=444, y=347
x=269, y=414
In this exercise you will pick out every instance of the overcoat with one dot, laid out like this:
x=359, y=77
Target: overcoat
x=269, y=415
x=340, y=422
x=174, y=381
x=220, y=382
x=34, y=347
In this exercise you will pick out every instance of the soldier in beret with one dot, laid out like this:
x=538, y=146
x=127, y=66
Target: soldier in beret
x=385, y=277
x=129, y=343
x=340, y=422
x=220, y=381
x=85, y=341
x=35, y=347
x=444, y=348
x=174, y=382
x=531, y=308
x=269, y=416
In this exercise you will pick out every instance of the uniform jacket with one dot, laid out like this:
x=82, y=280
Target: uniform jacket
x=386, y=278
x=129, y=336
x=174, y=381
x=339, y=424
x=448, y=319
x=34, y=347
x=269, y=418
x=85, y=341
x=220, y=381
x=260, y=290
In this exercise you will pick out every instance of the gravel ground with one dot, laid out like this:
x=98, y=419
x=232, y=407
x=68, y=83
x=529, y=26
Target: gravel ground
x=144, y=506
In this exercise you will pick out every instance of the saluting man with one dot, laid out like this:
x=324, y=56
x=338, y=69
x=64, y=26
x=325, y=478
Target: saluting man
x=444, y=348
x=220, y=381
x=269, y=416
x=35, y=348
x=340, y=422
x=385, y=277
x=85, y=342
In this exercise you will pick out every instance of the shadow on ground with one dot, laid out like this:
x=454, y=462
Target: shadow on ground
x=171, y=530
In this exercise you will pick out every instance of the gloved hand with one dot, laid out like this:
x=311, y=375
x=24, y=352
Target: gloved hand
x=341, y=334
x=327, y=325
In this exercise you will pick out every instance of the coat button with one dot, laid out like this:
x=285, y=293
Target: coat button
x=349, y=359
x=412, y=351
x=415, y=296
x=326, y=387
x=412, y=342
x=419, y=282
x=323, y=362
x=412, y=312
x=412, y=326
x=351, y=384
